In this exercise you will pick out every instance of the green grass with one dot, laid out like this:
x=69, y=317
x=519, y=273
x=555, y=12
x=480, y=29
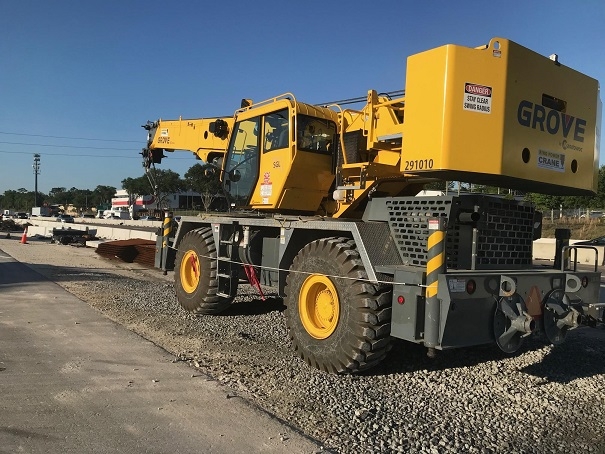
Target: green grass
x=580, y=229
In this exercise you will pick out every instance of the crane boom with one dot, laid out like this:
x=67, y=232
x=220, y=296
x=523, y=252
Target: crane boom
x=207, y=138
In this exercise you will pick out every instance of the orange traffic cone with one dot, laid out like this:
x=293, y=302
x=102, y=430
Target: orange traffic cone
x=24, y=236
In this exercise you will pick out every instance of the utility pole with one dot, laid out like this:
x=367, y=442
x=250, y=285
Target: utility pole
x=36, y=167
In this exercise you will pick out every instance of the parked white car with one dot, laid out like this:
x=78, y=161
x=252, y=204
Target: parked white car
x=116, y=214
x=593, y=215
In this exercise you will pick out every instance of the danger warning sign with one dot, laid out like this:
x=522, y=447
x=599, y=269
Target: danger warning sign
x=477, y=98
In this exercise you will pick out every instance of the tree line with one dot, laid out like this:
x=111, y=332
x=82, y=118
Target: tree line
x=23, y=199
x=551, y=202
x=199, y=178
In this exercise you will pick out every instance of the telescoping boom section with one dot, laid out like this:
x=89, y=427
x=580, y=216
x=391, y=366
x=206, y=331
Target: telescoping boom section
x=322, y=206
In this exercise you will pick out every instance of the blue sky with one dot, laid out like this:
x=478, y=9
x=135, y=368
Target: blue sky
x=71, y=71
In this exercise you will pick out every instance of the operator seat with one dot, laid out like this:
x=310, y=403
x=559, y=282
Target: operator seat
x=282, y=141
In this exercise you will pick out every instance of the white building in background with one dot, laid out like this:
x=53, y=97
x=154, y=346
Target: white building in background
x=147, y=203
x=122, y=206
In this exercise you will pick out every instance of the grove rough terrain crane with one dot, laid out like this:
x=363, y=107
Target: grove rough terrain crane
x=323, y=207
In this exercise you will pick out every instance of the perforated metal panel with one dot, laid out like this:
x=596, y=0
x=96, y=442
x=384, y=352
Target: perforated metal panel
x=506, y=237
x=409, y=223
x=504, y=234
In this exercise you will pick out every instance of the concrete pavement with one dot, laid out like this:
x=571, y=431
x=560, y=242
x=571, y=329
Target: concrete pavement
x=72, y=381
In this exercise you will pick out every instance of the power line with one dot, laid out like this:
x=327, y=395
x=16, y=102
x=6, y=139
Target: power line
x=69, y=138
x=85, y=155
x=359, y=99
x=64, y=146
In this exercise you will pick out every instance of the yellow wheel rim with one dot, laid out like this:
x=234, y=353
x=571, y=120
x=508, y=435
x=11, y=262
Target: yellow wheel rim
x=318, y=306
x=190, y=271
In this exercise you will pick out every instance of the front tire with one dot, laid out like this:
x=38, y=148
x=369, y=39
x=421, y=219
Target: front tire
x=338, y=325
x=195, y=274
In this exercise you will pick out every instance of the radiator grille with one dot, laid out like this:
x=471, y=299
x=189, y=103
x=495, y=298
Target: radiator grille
x=506, y=238
x=504, y=230
x=409, y=223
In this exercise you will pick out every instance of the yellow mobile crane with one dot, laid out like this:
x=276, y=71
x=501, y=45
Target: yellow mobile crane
x=323, y=207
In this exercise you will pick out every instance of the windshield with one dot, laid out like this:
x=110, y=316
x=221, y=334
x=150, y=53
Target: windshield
x=241, y=168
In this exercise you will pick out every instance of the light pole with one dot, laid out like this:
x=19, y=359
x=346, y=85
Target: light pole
x=36, y=167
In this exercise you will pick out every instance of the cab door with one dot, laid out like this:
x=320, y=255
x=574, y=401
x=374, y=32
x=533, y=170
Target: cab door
x=242, y=162
x=276, y=159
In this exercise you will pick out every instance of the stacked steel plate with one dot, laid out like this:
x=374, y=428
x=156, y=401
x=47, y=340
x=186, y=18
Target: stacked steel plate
x=134, y=250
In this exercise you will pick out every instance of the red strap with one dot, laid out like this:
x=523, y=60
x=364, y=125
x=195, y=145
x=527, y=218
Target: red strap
x=193, y=265
x=251, y=275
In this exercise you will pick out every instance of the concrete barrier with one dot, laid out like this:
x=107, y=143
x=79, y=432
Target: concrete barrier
x=544, y=249
x=108, y=230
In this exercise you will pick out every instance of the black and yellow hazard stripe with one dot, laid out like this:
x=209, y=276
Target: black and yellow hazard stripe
x=166, y=230
x=436, y=259
x=435, y=266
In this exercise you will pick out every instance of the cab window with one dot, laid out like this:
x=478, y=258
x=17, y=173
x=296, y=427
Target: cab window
x=277, y=130
x=315, y=134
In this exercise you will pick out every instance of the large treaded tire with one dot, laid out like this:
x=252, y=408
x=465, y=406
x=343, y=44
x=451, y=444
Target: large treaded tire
x=359, y=336
x=195, y=274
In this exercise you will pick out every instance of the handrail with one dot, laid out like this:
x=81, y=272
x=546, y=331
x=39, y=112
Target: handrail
x=288, y=96
x=574, y=249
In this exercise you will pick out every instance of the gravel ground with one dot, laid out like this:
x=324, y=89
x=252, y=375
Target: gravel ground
x=542, y=400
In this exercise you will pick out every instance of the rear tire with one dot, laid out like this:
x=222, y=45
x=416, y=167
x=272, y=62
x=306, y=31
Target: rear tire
x=336, y=325
x=195, y=274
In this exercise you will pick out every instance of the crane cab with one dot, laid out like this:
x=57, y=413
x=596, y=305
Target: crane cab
x=280, y=156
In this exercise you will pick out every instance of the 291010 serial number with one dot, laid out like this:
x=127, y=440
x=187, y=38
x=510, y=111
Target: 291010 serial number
x=419, y=164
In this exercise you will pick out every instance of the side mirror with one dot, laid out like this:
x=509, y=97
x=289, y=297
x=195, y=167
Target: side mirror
x=210, y=171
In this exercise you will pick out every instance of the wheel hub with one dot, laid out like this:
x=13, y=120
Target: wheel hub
x=324, y=307
x=190, y=271
x=319, y=306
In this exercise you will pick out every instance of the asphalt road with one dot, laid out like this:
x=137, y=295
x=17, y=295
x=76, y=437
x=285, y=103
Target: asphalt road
x=72, y=381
